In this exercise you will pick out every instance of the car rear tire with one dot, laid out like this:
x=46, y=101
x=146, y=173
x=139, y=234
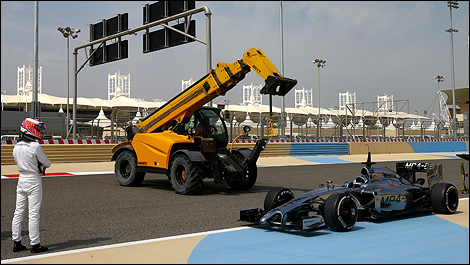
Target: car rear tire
x=276, y=197
x=252, y=175
x=186, y=177
x=125, y=170
x=340, y=212
x=444, y=198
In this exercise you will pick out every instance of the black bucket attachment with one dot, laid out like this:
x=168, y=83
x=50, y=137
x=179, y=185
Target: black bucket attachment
x=131, y=131
x=276, y=85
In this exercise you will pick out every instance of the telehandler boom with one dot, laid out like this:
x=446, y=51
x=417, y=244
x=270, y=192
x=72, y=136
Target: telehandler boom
x=187, y=141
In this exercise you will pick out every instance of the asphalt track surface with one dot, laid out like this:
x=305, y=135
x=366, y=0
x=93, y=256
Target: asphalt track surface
x=86, y=211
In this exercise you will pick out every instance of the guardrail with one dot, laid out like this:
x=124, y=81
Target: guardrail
x=66, y=153
x=73, y=153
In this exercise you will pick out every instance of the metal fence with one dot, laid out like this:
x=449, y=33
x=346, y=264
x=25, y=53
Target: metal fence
x=296, y=130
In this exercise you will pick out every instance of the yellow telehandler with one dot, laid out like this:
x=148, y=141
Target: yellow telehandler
x=188, y=141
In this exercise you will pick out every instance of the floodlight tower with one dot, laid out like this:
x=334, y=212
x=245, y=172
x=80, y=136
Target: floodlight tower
x=452, y=4
x=439, y=78
x=319, y=63
x=68, y=32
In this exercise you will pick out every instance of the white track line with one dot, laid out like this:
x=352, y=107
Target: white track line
x=122, y=244
x=71, y=174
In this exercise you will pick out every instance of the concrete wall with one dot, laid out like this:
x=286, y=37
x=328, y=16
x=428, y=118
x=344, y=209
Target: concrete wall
x=314, y=148
x=379, y=148
x=408, y=147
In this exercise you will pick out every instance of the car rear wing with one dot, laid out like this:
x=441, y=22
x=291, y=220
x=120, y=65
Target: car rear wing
x=407, y=170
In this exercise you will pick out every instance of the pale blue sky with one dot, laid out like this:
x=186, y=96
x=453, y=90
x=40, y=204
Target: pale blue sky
x=371, y=48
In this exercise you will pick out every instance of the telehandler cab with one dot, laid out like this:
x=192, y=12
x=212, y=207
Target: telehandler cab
x=188, y=141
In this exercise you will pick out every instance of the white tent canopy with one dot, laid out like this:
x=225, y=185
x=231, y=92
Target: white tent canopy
x=255, y=111
x=45, y=99
x=101, y=120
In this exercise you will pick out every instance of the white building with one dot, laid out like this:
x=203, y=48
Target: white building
x=303, y=98
x=347, y=99
x=25, y=80
x=385, y=103
x=252, y=95
x=119, y=85
x=186, y=84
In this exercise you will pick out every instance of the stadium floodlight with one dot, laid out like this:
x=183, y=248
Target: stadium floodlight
x=319, y=63
x=68, y=32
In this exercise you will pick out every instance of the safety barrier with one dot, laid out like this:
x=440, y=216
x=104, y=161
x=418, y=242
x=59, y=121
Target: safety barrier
x=407, y=147
x=73, y=153
x=429, y=147
x=309, y=149
x=92, y=151
x=65, y=141
x=391, y=140
x=66, y=153
x=272, y=148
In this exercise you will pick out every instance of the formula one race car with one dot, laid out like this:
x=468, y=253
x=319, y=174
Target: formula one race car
x=378, y=192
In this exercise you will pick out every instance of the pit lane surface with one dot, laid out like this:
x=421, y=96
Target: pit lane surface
x=93, y=210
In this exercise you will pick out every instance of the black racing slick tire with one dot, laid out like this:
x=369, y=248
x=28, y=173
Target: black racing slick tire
x=125, y=170
x=340, y=212
x=444, y=198
x=186, y=177
x=276, y=197
x=252, y=176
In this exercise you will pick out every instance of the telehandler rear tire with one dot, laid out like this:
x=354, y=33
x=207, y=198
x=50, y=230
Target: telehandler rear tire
x=186, y=176
x=125, y=170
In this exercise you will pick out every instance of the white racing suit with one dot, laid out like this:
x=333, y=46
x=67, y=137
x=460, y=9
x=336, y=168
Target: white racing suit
x=29, y=188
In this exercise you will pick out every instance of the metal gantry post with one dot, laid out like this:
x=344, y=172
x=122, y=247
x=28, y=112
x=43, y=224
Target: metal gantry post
x=34, y=102
x=283, y=105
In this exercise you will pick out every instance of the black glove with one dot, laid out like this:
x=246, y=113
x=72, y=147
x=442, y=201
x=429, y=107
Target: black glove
x=42, y=169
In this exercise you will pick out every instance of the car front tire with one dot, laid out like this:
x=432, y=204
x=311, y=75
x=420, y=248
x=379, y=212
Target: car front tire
x=340, y=212
x=276, y=197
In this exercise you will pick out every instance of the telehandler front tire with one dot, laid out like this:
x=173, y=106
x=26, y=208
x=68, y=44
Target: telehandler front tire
x=125, y=170
x=186, y=176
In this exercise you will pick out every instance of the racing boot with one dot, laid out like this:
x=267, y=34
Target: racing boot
x=17, y=246
x=38, y=248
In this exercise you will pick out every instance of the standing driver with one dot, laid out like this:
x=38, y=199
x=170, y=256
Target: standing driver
x=31, y=161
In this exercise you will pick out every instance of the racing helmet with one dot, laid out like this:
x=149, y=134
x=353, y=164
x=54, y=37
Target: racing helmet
x=31, y=129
